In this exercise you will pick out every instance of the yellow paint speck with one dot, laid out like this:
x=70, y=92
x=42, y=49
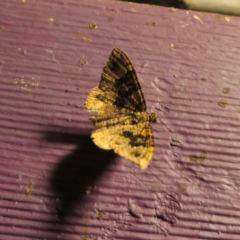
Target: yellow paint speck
x=227, y=19
x=134, y=10
x=88, y=190
x=24, y=1
x=201, y=158
x=172, y=45
x=51, y=19
x=172, y=9
x=222, y=103
x=29, y=188
x=87, y=39
x=226, y=90
x=197, y=18
x=92, y=25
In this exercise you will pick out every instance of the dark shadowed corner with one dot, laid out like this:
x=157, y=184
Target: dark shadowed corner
x=166, y=3
x=76, y=172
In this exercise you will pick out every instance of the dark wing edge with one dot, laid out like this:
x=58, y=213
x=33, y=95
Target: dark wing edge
x=120, y=79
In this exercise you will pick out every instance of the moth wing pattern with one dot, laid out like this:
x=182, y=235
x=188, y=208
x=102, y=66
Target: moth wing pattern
x=119, y=86
x=132, y=142
x=117, y=98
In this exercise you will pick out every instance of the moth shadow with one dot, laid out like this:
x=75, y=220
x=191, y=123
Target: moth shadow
x=77, y=172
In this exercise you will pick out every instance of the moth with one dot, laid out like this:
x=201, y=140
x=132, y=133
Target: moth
x=122, y=123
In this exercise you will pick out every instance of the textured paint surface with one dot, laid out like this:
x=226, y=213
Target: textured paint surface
x=56, y=184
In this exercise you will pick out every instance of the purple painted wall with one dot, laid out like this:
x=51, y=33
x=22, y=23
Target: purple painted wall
x=56, y=184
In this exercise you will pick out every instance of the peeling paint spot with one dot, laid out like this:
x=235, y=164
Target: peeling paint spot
x=175, y=143
x=172, y=9
x=145, y=64
x=155, y=84
x=108, y=232
x=197, y=18
x=134, y=10
x=166, y=208
x=88, y=190
x=222, y=103
x=226, y=90
x=50, y=51
x=134, y=209
x=179, y=89
x=84, y=235
x=227, y=19
x=92, y=25
x=25, y=83
x=201, y=158
x=158, y=105
x=151, y=23
x=87, y=39
x=182, y=188
x=29, y=188
x=100, y=214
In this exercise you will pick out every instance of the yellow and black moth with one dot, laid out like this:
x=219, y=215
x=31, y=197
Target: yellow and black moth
x=122, y=123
